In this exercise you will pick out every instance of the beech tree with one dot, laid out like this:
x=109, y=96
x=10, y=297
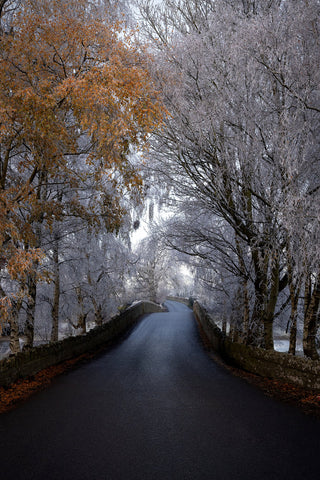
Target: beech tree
x=75, y=98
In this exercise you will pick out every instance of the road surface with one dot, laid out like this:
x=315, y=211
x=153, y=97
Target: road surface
x=156, y=407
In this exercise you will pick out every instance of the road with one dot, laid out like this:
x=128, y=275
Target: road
x=156, y=407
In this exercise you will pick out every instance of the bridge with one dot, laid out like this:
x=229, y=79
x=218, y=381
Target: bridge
x=156, y=407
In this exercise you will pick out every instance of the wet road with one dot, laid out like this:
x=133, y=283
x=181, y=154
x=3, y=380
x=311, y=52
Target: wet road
x=156, y=407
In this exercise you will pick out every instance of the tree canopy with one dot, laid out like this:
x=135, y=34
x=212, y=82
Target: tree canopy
x=76, y=99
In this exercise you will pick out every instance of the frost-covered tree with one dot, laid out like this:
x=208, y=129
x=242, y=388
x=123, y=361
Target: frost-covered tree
x=241, y=82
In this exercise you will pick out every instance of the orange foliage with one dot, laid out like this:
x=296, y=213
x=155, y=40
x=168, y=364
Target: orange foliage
x=75, y=93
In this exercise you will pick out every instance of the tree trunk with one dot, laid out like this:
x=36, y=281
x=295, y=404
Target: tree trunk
x=56, y=294
x=82, y=316
x=97, y=311
x=97, y=306
x=224, y=324
x=14, y=327
x=153, y=288
x=244, y=287
x=312, y=301
x=272, y=301
x=268, y=333
x=14, y=335
x=294, y=289
x=31, y=307
x=258, y=323
x=293, y=334
x=231, y=331
x=32, y=277
x=256, y=332
x=309, y=337
x=246, y=312
x=82, y=324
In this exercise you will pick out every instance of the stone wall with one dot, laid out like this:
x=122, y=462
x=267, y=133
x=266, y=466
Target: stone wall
x=31, y=361
x=213, y=332
x=281, y=366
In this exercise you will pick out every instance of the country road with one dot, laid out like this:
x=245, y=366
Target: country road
x=156, y=407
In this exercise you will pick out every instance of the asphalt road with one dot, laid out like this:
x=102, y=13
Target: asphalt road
x=157, y=407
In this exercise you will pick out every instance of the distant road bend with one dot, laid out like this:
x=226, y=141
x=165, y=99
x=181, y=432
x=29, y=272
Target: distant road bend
x=156, y=407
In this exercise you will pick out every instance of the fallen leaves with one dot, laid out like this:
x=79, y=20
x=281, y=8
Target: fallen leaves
x=22, y=389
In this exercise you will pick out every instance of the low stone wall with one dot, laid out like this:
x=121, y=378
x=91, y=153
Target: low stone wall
x=212, y=331
x=31, y=361
x=281, y=366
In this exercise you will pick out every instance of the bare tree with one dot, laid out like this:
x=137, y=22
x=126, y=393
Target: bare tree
x=241, y=142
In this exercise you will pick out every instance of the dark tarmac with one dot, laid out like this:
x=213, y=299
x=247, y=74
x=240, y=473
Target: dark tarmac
x=156, y=407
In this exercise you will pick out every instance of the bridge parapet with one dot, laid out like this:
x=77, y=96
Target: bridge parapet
x=31, y=361
x=267, y=363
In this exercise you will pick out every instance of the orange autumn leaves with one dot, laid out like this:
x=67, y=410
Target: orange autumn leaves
x=75, y=96
x=70, y=63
